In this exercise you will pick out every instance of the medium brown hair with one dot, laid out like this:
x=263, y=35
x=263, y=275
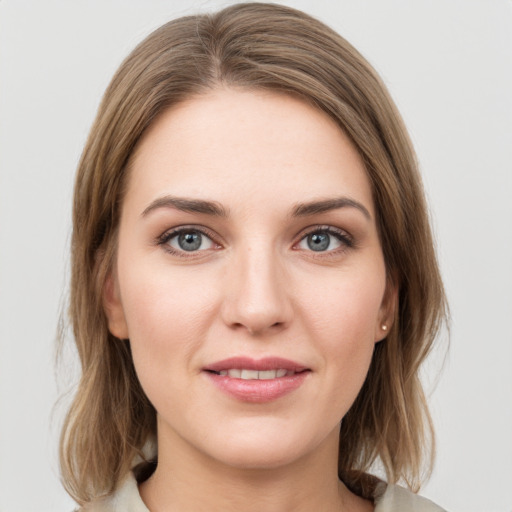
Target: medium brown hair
x=252, y=46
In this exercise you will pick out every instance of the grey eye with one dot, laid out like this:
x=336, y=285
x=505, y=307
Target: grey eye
x=190, y=241
x=318, y=241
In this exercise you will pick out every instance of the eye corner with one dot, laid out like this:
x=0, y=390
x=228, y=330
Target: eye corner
x=324, y=241
x=202, y=241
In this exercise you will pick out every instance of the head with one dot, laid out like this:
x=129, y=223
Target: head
x=265, y=49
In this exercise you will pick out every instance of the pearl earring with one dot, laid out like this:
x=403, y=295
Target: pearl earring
x=384, y=327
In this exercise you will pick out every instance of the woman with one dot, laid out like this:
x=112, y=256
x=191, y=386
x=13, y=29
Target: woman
x=254, y=282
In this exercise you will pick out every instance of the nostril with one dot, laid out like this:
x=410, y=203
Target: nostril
x=254, y=330
x=256, y=312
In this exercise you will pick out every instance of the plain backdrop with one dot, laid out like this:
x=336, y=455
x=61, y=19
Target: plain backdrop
x=448, y=64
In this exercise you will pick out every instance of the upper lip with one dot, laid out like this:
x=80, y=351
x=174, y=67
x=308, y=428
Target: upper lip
x=248, y=363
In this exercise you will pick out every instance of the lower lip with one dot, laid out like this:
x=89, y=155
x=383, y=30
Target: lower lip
x=255, y=390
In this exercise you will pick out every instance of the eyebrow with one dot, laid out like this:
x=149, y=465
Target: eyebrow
x=187, y=205
x=216, y=209
x=325, y=205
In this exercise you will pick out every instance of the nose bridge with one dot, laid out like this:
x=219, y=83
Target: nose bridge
x=257, y=297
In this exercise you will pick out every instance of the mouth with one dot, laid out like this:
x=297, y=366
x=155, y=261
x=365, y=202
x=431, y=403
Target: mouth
x=247, y=374
x=247, y=368
x=257, y=381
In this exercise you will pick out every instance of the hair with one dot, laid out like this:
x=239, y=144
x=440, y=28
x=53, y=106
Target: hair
x=253, y=46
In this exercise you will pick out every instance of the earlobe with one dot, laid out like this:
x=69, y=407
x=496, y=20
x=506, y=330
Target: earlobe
x=387, y=311
x=114, y=308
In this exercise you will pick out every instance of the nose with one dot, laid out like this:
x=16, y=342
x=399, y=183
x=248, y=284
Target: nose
x=257, y=296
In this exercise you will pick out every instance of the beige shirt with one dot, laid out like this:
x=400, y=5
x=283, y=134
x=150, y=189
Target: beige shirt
x=387, y=498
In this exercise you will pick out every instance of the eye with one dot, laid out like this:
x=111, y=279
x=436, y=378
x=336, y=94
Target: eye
x=186, y=240
x=325, y=240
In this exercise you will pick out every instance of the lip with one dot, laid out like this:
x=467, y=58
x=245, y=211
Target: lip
x=267, y=363
x=257, y=391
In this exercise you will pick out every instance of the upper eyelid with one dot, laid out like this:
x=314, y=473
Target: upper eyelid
x=344, y=238
x=164, y=239
x=169, y=233
x=323, y=227
x=217, y=239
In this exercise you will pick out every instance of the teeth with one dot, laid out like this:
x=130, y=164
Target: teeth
x=243, y=374
x=249, y=374
x=267, y=374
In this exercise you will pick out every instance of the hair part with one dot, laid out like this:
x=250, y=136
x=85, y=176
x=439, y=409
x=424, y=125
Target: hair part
x=276, y=48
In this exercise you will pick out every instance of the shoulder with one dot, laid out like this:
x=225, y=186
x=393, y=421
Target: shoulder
x=388, y=498
x=393, y=498
x=126, y=498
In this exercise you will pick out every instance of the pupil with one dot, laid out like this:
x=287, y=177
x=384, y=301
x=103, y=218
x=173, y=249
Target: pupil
x=189, y=241
x=318, y=241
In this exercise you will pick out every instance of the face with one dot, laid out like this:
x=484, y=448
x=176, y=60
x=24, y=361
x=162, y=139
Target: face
x=249, y=278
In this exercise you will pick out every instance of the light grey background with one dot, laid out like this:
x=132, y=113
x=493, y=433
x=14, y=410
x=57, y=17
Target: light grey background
x=448, y=64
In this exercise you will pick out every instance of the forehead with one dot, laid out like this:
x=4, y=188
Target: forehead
x=233, y=146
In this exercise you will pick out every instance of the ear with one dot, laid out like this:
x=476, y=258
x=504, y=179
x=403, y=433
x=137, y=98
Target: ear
x=387, y=310
x=114, y=308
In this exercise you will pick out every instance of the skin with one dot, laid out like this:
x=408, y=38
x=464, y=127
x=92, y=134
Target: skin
x=254, y=288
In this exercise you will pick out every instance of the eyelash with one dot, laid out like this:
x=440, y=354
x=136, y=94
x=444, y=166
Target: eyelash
x=166, y=237
x=342, y=236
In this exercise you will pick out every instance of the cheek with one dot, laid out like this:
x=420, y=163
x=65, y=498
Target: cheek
x=341, y=318
x=160, y=301
x=168, y=315
x=346, y=306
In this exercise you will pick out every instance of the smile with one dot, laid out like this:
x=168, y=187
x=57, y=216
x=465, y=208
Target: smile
x=256, y=380
x=245, y=374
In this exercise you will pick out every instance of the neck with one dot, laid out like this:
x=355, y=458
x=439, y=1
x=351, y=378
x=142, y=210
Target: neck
x=187, y=480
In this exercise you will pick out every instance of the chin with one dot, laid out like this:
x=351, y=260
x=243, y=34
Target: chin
x=266, y=448
x=254, y=456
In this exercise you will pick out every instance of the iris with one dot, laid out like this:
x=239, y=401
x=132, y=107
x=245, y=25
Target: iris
x=190, y=240
x=318, y=241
